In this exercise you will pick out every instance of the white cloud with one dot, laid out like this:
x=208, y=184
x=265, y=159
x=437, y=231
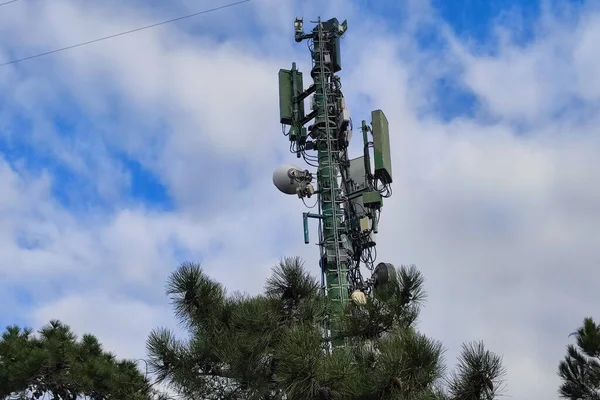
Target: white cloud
x=500, y=216
x=117, y=321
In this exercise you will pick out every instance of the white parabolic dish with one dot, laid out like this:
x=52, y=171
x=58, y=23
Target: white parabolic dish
x=282, y=180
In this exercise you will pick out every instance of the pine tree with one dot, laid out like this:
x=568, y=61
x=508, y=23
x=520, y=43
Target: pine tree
x=270, y=346
x=580, y=370
x=56, y=363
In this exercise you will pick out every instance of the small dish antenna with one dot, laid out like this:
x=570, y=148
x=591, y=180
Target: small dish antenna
x=290, y=179
x=284, y=180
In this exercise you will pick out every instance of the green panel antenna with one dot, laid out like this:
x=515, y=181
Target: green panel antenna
x=381, y=147
x=290, y=86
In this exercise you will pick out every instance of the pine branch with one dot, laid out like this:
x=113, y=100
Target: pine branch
x=198, y=301
x=580, y=369
x=479, y=374
x=270, y=347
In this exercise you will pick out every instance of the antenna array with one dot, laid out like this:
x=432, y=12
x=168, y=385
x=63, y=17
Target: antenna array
x=350, y=191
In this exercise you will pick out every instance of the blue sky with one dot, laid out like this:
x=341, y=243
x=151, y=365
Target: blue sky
x=121, y=159
x=471, y=19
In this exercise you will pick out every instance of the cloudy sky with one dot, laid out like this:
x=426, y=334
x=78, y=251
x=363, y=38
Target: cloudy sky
x=120, y=159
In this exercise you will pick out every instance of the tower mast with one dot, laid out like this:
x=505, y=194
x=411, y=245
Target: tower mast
x=349, y=195
x=328, y=127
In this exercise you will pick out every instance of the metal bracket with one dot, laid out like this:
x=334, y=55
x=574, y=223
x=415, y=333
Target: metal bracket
x=305, y=217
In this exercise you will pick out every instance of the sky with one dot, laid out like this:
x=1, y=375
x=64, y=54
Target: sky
x=121, y=159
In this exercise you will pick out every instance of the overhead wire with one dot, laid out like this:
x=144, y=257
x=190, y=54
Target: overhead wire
x=121, y=33
x=8, y=2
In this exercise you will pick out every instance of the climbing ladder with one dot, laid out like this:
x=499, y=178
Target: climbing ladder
x=333, y=235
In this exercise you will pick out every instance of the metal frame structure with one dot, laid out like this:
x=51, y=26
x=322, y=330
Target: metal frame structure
x=350, y=191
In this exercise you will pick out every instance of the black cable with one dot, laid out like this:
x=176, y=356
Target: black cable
x=123, y=33
x=8, y=2
x=307, y=206
x=308, y=160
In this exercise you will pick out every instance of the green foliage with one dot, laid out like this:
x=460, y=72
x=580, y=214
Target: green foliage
x=479, y=374
x=580, y=369
x=398, y=306
x=270, y=346
x=54, y=362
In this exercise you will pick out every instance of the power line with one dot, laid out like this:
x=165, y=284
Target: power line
x=8, y=2
x=122, y=33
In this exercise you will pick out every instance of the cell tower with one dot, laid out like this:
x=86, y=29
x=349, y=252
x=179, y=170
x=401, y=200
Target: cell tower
x=349, y=192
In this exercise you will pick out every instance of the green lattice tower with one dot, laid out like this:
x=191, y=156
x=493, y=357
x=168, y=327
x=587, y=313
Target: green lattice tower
x=335, y=248
x=328, y=135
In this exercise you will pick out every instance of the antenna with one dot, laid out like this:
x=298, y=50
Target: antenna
x=350, y=192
